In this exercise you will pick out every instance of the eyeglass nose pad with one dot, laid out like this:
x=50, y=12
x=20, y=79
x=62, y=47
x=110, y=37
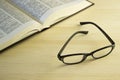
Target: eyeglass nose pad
x=87, y=55
x=84, y=57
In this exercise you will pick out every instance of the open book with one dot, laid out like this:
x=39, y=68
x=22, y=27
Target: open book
x=21, y=18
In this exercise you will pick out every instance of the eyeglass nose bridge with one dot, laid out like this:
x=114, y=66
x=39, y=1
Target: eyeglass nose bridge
x=88, y=54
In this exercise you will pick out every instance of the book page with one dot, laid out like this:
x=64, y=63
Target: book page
x=11, y=18
x=13, y=22
x=38, y=8
x=7, y=23
x=61, y=12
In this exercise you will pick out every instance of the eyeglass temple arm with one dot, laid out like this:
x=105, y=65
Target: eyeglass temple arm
x=61, y=50
x=106, y=35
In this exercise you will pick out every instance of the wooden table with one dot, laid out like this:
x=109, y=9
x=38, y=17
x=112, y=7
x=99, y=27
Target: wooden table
x=36, y=57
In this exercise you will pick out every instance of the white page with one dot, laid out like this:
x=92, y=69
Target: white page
x=34, y=8
x=14, y=24
x=38, y=8
x=55, y=5
x=7, y=23
x=10, y=18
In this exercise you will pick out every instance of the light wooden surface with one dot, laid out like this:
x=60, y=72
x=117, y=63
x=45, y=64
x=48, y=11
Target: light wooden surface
x=36, y=57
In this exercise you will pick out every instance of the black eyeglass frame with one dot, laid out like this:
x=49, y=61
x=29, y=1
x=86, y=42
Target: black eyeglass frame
x=61, y=57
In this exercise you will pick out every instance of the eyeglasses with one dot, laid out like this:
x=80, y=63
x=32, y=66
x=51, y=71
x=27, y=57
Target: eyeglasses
x=80, y=57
